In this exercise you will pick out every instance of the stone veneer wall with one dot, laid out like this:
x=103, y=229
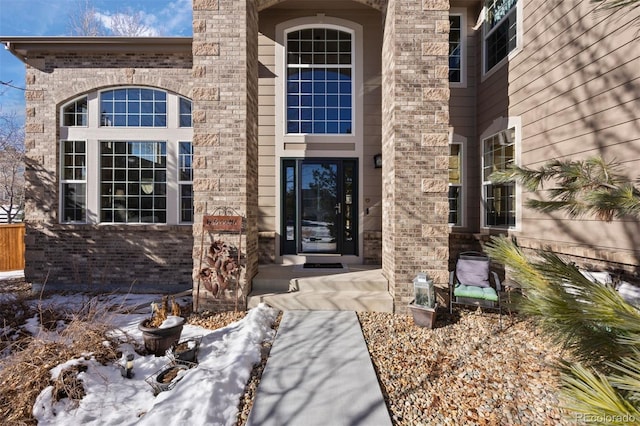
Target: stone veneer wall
x=225, y=111
x=415, y=146
x=93, y=256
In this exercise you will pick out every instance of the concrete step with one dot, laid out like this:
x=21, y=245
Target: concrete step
x=360, y=281
x=344, y=300
x=280, y=279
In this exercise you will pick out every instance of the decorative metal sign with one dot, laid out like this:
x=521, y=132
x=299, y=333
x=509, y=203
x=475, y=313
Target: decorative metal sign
x=222, y=223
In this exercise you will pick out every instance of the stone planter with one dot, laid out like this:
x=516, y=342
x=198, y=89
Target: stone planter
x=423, y=316
x=158, y=340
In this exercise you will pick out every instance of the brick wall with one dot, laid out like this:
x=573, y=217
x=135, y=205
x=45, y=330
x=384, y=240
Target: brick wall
x=89, y=255
x=415, y=136
x=225, y=75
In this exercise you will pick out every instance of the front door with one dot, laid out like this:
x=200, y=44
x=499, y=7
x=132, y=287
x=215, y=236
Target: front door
x=319, y=209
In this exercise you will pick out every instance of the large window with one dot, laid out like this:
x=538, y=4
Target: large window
x=500, y=30
x=127, y=158
x=319, y=85
x=499, y=199
x=133, y=182
x=455, y=184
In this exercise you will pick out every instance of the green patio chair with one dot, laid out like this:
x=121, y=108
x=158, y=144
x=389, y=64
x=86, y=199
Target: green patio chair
x=472, y=283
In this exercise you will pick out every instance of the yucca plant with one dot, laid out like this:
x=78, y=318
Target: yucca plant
x=597, y=326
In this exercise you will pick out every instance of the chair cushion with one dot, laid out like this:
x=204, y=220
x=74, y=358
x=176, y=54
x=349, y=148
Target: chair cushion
x=472, y=272
x=475, y=292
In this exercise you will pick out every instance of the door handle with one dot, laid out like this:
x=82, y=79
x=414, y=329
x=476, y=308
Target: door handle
x=338, y=208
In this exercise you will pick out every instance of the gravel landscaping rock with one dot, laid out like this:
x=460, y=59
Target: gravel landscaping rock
x=465, y=371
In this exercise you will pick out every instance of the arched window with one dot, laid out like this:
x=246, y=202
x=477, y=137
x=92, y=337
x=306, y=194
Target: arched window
x=319, y=94
x=133, y=107
x=127, y=175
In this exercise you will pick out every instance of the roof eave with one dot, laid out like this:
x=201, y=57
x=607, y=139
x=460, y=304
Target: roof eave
x=21, y=47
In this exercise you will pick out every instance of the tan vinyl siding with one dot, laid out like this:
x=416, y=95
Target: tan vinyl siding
x=576, y=87
x=463, y=112
x=266, y=132
x=372, y=122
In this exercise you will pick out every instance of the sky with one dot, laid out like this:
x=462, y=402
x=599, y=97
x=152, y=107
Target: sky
x=51, y=18
x=207, y=394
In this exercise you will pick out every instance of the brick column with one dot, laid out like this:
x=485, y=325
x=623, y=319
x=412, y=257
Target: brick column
x=225, y=114
x=415, y=109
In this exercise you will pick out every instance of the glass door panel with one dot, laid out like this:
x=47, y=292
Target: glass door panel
x=319, y=208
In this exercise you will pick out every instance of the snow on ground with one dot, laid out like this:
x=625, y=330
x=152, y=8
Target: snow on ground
x=207, y=394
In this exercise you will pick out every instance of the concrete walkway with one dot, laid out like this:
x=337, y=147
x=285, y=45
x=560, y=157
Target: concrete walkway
x=319, y=373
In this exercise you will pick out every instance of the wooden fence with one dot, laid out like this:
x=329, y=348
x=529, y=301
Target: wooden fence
x=12, y=247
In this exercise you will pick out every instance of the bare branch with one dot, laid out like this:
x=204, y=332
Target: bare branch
x=129, y=23
x=84, y=21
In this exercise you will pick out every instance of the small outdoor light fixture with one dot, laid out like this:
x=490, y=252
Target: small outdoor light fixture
x=126, y=368
x=377, y=161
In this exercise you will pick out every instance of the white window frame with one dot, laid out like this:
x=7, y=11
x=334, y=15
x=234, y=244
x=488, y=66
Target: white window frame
x=461, y=141
x=93, y=134
x=518, y=9
x=356, y=135
x=181, y=182
x=500, y=126
x=64, y=181
x=462, y=13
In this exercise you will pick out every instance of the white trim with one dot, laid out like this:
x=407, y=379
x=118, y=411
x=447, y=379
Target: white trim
x=62, y=181
x=500, y=124
x=462, y=13
x=356, y=137
x=519, y=41
x=94, y=133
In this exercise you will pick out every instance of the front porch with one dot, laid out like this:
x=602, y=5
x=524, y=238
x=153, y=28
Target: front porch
x=292, y=287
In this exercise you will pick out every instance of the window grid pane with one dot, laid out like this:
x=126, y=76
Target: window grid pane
x=75, y=114
x=185, y=113
x=455, y=197
x=185, y=178
x=73, y=179
x=133, y=107
x=455, y=47
x=498, y=155
x=133, y=182
x=455, y=184
x=501, y=30
x=319, y=82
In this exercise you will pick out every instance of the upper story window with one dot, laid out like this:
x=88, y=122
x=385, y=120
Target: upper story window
x=455, y=48
x=75, y=113
x=500, y=30
x=498, y=153
x=133, y=107
x=319, y=85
